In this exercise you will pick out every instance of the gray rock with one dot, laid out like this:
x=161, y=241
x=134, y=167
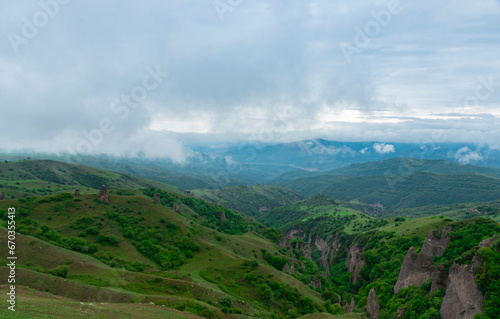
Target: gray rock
x=463, y=299
x=435, y=243
x=372, y=305
x=103, y=195
x=415, y=270
x=156, y=198
x=354, y=263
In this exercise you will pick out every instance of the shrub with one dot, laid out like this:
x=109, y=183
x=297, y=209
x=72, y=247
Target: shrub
x=60, y=271
x=226, y=302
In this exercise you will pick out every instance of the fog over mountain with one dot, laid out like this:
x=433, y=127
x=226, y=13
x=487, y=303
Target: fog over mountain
x=156, y=77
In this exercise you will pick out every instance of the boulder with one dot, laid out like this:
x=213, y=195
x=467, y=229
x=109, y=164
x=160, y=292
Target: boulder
x=415, y=270
x=463, y=299
x=77, y=192
x=372, y=305
x=176, y=208
x=2, y=197
x=103, y=195
x=222, y=216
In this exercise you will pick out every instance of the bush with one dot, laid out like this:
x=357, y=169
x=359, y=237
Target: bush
x=60, y=271
x=226, y=302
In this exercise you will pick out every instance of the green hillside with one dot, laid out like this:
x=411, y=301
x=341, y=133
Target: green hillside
x=457, y=211
x=398, y=192
x=158, y=251
x=250, y=200
x=177, y=251
x=329, y=214
x=44, y=177
x=395, y=166
x=334, y=236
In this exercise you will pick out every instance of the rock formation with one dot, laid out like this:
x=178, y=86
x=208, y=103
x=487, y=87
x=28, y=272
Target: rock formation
x=372, y=305
x=463, y=298
x=222, y=216
x=103, y=195
x=435, y=243
x=315, y=283
x=439, y=278
x=487, y=242
x=352, y=306
x=414, y=271
x=77, y=192
x=176, y=208
x=354, y=263
x=401, y=312
x=2, y=197
x=263, y=209
x=287, y=269
x=156, y=198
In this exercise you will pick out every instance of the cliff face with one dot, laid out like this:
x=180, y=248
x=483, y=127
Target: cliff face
x=415, y=270
x=435, y=243
x=462, y=299
x=354, y=263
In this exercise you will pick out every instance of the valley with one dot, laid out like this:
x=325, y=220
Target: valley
x=336, y=245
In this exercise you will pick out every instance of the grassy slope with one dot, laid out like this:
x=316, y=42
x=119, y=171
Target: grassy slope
x=249, y=199
x=457, y=211
x=44, y=177
x=395, y=166
x=397, y=192
x=319, y=206
x=36, y=304
x=218, y=251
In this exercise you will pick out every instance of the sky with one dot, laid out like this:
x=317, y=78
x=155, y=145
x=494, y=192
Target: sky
x=152, y=77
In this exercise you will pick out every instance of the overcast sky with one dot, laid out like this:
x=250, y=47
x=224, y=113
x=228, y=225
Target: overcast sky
x=129, y=76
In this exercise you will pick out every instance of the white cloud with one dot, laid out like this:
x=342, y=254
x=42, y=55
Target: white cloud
x=467, y=156
x=282, y=77
x=383, y=148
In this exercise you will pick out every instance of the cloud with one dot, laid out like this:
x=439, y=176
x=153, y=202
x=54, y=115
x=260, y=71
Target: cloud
x=236, y=78
x=383, y=148
x=363, y=150
x=466, y=156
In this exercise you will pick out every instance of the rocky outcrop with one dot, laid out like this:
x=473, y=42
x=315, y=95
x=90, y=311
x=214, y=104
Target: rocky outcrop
x=287, y=269
x=435, y=243
x=315, y=283
x=463, y=299
x=487, y=242
x=263, y=209
x=439, y=278
x=2, y=197
x=401, y=312
x=354, y=263
x=222, y=216
x=103, y=195
x=415, y=270
x=372, y=305
x=176, y=208
x=77, y=192
x=156, y=198
x=352, y=306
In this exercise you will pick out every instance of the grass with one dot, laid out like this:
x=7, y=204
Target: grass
x=36, y=304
